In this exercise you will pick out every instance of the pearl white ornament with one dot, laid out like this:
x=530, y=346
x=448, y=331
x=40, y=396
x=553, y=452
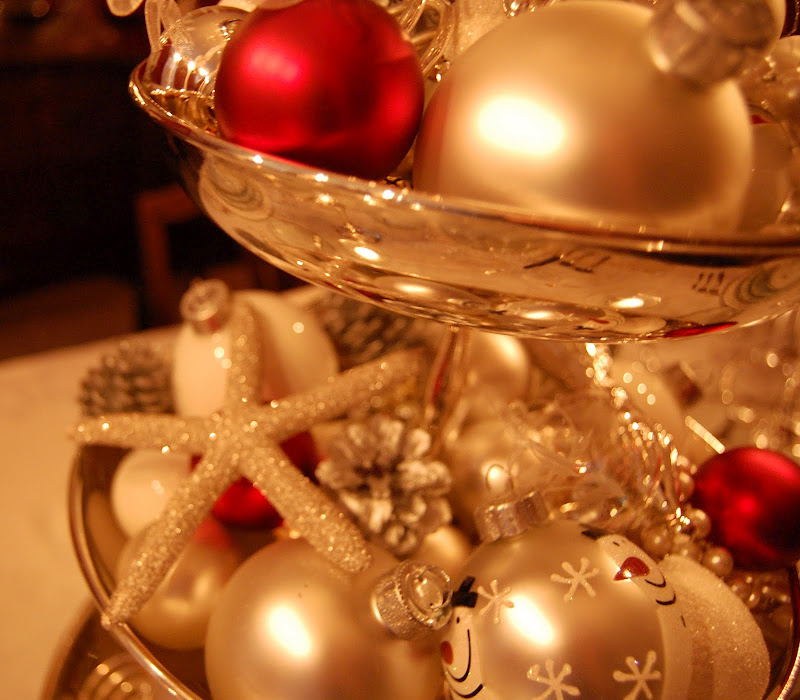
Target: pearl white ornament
x=553, y=608
x=297, y=356
x=771, y=181
x=143, y=483
x=448, y=547
x=562, y=112
x=177, y=614
x=730, y=658
x=498, y=372
x=482, y=445
x=718, y=560
x=290, y=626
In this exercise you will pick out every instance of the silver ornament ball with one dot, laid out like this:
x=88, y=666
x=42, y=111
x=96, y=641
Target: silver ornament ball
x=292, y=626
x=565, y=610
x=176, y=615
x=562, y=112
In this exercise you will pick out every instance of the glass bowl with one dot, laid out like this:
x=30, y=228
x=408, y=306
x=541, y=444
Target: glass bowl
x=98, y=541
x=469, y=263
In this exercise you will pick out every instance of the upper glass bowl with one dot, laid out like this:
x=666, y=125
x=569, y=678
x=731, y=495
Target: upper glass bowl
x=470, y=263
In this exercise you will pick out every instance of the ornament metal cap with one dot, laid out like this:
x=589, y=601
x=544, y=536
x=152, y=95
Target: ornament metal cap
x=413, y=599
x=206, y=305
x=707, y=41
x=511, y=516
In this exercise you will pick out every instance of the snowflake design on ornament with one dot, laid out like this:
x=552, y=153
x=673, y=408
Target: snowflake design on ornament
x=381, y=471
x=639, y=676
x=576, y=578
x=496, y=600
x=554, y=682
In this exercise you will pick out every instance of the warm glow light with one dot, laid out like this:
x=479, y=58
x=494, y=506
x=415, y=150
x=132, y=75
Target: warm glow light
x=366, y=253
x=540, y=315
x=530, y=621
x=412, y=288
x=289, y=631
x=520, y=125
x=629, y=303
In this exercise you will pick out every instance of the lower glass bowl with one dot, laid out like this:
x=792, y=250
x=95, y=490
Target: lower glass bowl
x=469, y=263
x=98, y=541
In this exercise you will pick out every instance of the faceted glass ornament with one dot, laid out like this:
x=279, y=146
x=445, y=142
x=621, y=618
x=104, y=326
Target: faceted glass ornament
x=187, y=56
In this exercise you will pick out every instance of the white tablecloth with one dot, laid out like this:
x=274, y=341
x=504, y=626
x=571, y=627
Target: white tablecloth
x=42, y=591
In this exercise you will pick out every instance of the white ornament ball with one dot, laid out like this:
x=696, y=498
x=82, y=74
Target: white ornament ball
x=446, y=547
x=143, y=482
x=562, y=112
x=498, y=372
x=565, y=611
x=290, y=626
x=730, y=657
x=177, y=614
x=298, y=355
x=484, y=445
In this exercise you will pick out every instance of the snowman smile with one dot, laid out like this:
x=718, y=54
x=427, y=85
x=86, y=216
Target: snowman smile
x=447, y=657
x=634, y=567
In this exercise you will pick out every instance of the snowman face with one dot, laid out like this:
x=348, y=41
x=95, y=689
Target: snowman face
x=636, y=566
x=460, y=658
x=530, y=606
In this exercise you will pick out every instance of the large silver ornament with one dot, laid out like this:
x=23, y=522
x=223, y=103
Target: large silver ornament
x=561, y=610
x=290, y=626
x=562, y=112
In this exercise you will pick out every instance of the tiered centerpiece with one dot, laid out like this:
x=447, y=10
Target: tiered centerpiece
x=459, y=513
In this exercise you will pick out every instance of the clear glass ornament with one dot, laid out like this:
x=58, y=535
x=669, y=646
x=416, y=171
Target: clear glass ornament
x=186, y=56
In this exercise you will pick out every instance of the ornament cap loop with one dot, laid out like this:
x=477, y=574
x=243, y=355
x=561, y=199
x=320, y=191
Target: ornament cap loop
x=707, y=41
x=510, y=517
x=413, y=599
x=206, y=305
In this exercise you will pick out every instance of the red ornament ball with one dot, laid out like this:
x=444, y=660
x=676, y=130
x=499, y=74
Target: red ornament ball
x=334, y=84
x=752, y=496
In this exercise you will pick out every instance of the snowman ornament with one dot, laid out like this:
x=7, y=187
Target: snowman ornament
x=552, y=609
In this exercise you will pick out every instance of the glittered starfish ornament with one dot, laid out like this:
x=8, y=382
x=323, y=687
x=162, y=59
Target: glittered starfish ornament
x=242, y=439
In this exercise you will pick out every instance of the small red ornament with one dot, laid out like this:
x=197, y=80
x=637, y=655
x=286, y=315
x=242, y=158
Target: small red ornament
x=752, y=496
x=330, y=83
x=243, y=505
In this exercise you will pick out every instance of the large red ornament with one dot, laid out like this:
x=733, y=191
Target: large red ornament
x=243, y=505
x=753, y=499
x=330, y=83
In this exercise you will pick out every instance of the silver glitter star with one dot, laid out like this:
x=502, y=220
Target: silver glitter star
x=243, y=439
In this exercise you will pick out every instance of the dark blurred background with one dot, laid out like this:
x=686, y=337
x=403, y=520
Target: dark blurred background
x=96, y=237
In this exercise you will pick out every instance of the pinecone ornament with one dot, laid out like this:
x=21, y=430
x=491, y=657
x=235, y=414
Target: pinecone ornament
x=382, y=472
x=362, y=332
x=135, y=377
